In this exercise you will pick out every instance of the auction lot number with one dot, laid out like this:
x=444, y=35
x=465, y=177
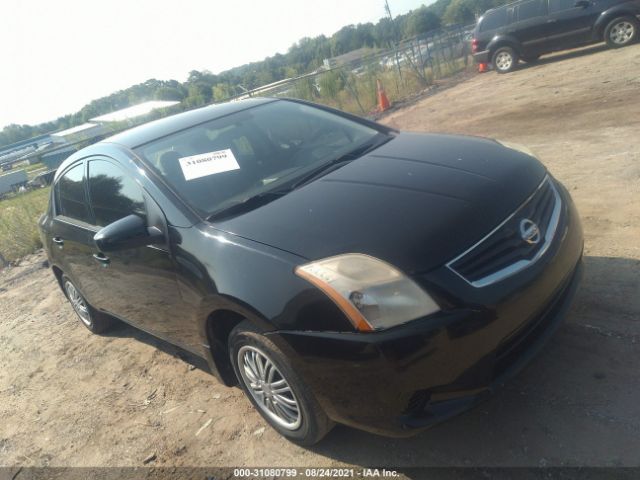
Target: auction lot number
x=313, y=472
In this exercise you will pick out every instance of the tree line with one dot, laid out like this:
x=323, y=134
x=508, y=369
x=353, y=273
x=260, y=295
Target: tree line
x=204, y=87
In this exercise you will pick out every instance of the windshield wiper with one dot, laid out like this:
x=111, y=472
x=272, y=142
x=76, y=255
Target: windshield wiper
x=247, y=204
x=336, y=163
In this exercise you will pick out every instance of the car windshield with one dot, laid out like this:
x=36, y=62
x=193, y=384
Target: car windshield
x=252, y=152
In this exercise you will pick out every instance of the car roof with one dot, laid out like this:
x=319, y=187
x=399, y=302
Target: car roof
x=148, y=132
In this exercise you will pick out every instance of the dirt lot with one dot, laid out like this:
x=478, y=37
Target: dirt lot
x=71, y=399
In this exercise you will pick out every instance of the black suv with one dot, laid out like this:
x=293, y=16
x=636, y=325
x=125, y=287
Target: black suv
x=529, y=28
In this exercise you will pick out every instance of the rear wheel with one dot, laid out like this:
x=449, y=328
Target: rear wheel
x=621, y=31
x=94, y=321
x=505, y=60
x=274, y=389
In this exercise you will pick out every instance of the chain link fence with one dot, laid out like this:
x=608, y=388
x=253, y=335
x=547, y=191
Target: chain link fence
x=404, y=71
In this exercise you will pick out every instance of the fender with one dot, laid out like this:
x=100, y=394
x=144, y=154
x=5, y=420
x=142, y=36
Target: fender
x=217, y=316
x=223, y=294
x=631, y=8
x=503, y=40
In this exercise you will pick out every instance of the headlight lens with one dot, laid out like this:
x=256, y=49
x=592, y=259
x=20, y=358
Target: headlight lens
x=517, y=147
x=373, y=294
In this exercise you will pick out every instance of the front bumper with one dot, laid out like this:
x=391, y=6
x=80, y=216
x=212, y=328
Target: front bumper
x=399, y=381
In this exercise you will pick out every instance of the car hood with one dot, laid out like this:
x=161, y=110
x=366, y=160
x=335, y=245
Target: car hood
x=416, y=202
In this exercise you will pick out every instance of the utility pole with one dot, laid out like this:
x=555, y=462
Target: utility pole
x=395, y=32
x=393, y=23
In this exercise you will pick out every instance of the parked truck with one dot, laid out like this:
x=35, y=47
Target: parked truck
x=12, y=181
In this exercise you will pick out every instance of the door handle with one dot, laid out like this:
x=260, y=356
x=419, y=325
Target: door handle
x=552, y=20
x=101, y=258
x=58, y=241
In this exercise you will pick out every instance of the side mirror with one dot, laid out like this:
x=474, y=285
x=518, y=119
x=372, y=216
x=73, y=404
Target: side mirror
x=582, y=3
x=128, y=232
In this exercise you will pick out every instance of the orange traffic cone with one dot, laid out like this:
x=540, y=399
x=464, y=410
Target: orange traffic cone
x=383, y=101
x=482, y=67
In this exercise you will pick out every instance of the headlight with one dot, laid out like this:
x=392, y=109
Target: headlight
x=517, y=147
x=372, y=294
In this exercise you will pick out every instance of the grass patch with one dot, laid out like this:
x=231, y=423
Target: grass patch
x=34, y=166
x=19, y=215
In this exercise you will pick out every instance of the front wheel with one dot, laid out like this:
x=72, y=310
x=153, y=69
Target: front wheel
x=274, y=389
x=621, y=31
x=505, y=60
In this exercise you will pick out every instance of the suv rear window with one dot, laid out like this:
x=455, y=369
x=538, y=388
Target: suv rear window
x=494, y=19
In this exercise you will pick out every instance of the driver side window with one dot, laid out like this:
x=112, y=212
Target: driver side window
x=113, y=194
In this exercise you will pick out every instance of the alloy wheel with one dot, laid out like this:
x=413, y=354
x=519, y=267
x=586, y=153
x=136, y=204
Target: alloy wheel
x=622, y=32
x=504, y=60
x=78, y=303
x=269, y=388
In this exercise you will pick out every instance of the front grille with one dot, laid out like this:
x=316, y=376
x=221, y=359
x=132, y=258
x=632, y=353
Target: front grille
x=506, y=251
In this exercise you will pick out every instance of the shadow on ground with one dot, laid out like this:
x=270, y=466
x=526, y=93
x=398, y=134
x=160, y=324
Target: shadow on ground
x=567, y=55
x=124, y=330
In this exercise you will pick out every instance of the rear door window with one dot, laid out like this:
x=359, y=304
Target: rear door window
x=69, y=194
x=531, y=9
x=494, y=19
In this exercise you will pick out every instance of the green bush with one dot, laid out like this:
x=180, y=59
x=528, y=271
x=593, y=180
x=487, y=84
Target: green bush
x=19, y=223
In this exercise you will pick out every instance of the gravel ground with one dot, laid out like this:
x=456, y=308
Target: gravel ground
x=68, y=398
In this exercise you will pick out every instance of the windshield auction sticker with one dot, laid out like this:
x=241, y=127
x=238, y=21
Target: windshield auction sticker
x=205, y=164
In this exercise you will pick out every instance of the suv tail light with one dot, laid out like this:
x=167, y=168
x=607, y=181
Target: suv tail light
x=474, y=45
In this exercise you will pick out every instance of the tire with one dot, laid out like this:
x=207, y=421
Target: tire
x=505, y=60
x=531, y=58
x=95, y=321
x=293, y=411
x=621, y=32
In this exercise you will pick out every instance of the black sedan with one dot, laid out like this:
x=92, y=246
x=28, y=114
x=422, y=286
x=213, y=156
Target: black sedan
x=338, y=270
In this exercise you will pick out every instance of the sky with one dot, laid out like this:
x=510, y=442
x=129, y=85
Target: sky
x=58, y=55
